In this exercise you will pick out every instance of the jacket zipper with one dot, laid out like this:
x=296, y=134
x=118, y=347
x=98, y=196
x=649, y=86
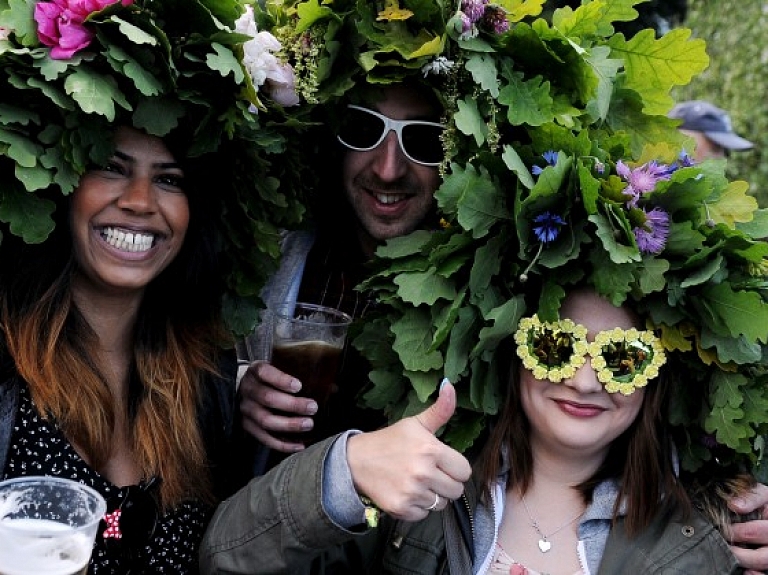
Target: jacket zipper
x=471, y=517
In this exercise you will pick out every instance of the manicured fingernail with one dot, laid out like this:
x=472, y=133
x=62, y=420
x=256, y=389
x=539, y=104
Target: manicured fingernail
x=295, y=385
x=444, y=383
x=311, y=408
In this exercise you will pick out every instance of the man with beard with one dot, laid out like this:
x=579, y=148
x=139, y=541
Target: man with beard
x=390, y=148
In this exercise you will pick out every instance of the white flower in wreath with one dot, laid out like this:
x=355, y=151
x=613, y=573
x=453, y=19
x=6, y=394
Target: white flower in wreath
x=439, y=65
x=262, y=65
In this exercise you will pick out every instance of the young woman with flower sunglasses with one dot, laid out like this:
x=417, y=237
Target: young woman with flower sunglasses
x=578, y=476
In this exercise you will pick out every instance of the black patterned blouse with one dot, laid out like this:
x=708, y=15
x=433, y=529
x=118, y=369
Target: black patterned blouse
x=38, y=447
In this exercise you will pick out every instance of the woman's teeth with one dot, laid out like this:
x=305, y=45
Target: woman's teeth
x=127, y=241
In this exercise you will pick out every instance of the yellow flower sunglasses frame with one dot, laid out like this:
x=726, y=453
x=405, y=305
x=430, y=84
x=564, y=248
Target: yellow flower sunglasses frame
x=623, y=359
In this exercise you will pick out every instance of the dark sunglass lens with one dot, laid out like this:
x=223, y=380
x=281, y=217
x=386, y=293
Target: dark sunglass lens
x=423, y=143
x=360, y=129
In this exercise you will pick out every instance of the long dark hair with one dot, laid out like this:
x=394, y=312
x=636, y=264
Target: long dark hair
x=178, y=337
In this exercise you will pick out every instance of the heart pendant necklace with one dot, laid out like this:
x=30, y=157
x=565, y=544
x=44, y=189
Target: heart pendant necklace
x=544, y=543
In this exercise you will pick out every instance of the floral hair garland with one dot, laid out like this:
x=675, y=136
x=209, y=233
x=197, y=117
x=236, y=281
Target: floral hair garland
x=561, y=168
x=73, y=69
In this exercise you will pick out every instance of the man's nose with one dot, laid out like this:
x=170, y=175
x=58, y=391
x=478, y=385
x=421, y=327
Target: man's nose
x=390, y=162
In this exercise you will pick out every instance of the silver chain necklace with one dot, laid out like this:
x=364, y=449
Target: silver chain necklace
x=544, y=543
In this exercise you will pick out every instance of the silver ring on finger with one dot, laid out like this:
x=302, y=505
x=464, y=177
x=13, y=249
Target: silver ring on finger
x=435, y=504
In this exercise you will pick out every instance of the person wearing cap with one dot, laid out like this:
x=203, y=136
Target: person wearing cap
x=710, y=127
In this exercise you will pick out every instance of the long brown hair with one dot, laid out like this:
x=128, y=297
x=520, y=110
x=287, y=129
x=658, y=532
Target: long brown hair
x=177, y=341
x=642, y=458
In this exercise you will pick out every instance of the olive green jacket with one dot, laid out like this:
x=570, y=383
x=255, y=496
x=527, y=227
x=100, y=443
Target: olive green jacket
x=276, y=524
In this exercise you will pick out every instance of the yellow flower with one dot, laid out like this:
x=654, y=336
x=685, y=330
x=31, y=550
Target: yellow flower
x=392, y=11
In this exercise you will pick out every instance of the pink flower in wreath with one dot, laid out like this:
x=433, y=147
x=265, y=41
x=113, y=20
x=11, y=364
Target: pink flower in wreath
x=61, y=24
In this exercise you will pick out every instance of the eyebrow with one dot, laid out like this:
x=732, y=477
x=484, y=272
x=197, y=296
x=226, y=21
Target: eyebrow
x=162, y=165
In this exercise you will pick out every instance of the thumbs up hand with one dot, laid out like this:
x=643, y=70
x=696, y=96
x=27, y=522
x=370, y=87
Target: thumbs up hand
x=404, y=468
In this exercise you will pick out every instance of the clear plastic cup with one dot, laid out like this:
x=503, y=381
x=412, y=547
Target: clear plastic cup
x=47, y=526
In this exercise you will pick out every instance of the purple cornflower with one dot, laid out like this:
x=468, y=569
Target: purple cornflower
x=652, y=235
x=473, y=9
x=550, y=156
x=548, y=228
x=642, y=179
x=495, y=19
x=467, y=26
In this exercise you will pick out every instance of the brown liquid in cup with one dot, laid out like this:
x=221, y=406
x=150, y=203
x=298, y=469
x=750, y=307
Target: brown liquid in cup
x=316, y=365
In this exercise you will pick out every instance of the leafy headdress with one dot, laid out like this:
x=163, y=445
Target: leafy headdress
x=190, y=70
x=561, y=168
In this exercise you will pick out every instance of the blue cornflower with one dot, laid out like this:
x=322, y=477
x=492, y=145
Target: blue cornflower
x=683, y=161
x=550, y=156
x=548, y=228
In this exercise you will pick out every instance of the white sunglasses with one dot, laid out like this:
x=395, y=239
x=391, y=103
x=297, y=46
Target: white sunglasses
x=363, y=130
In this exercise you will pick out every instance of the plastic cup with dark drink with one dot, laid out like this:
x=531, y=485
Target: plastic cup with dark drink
x=307, y=343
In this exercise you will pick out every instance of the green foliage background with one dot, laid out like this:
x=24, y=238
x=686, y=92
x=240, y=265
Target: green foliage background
x=736, y=33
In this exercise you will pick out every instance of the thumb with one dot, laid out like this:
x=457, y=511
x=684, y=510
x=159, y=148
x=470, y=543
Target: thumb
x=438, y=414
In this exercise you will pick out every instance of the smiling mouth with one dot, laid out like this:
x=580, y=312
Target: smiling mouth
x=389, y=198
x=127, y=241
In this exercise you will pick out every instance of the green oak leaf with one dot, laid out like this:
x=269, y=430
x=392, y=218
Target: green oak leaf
x=734, y=205
x=446, y=319
x=413, y=341
x=387, y=388
x=619, y=253
x=473, y=197
x=529, y=102
x=505, y=318
x=650, y=277
x=424, y=287
x=225, y=62
x=738, y=312
x=483, y=70
x=158, y=116
x=18, y=17
x=653, y=66
x=469, y=121
x=20, y=149
x=135, y=34
x=487, y=263
x=466, y=428
x=517, y=166
x=402, y=246
x=461, y=343
x=29, y=216
x=96, y=93
x=424, y=384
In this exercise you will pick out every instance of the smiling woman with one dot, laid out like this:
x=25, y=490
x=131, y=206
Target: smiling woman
x=129, y=217
x=116, y=368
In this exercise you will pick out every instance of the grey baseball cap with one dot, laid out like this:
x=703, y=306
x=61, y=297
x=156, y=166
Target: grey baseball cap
x=713, y=122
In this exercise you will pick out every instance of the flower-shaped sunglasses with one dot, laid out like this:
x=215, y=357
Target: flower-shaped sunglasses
x=363, y=130
x=623, y=359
